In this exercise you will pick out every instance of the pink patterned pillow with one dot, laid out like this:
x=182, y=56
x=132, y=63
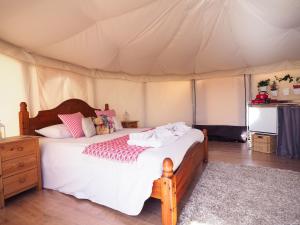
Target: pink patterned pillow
x=73, y=123
x=110, y=113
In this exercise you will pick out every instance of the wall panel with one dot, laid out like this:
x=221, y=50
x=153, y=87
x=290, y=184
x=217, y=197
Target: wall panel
x=122, y=96
x=12, y=92
x=220, y=101
x=167, y=102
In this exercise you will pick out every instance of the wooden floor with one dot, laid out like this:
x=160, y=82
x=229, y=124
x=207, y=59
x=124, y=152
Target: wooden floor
x=53, y=208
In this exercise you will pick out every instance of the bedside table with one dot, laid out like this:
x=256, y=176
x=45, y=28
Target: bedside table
x=19, y=166
x=130, y=124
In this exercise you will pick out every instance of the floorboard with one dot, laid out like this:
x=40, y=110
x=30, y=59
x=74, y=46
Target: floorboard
x=53, y=208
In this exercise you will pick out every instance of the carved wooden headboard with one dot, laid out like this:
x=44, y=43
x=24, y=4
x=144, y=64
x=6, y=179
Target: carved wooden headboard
x=49, y=117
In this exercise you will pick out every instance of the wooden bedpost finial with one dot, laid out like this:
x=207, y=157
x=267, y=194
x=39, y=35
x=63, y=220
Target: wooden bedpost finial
x=106, y=107
x=168, y=194
x=23, y=106
x=23, y=119
x=167, y=168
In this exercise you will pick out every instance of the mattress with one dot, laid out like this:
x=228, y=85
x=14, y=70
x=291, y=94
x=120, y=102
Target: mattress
x=118, y=185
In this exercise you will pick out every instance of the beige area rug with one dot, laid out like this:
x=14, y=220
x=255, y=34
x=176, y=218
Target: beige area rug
x=230, y=194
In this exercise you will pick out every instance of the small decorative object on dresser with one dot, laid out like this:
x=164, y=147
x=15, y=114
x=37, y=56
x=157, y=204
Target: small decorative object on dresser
x=2, y=131
x=126, y=116
x=19, y=166
x=130, y=124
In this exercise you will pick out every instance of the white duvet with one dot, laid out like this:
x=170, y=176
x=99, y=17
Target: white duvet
x=118, y=185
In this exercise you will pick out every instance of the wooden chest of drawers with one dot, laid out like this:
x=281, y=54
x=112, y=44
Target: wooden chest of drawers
x=19, y=166
x=130, y=124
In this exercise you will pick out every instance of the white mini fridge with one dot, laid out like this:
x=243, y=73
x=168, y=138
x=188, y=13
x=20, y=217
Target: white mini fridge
x=263, y=119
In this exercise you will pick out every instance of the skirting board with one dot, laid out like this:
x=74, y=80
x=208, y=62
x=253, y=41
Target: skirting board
x=224, y=132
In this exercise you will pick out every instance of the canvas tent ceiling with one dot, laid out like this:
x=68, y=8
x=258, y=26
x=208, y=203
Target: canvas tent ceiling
x=143, y=37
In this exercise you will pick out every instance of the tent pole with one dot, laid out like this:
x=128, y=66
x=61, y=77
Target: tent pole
x=248, y=96
x=194, y=101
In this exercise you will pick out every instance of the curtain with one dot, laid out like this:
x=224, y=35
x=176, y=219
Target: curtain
x=289, y=132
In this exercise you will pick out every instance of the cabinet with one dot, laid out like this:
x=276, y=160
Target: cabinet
x=19, y=166
x=263, y=119
x=130, y=124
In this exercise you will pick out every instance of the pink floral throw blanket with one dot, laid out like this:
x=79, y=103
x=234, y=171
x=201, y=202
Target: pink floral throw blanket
x=115, y=149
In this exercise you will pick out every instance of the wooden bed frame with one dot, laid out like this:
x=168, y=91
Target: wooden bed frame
x=172, y=185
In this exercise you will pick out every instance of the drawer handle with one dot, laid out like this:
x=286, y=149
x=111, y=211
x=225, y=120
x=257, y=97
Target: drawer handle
x=22, y=180
x=21, y=164
x=17, y=148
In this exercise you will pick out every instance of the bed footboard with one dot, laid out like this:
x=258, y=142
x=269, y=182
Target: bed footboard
x=168, y=194
x=172, y=186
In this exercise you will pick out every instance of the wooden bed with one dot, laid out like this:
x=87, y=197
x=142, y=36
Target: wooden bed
x=172, y=185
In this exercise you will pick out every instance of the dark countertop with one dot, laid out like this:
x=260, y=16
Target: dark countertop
x=274, y=105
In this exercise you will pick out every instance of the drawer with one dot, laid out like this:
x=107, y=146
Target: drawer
x=17, y=149
x=132, y=125
x=19, y=182
x=129, y=124
x=13, y=166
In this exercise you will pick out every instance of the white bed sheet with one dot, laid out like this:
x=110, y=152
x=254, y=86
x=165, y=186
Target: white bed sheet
x=121, y=186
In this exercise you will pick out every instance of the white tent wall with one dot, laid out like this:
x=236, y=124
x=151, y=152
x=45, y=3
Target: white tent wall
x=168, y=102
x=12, y=92
x=35, y=59
x=122, y=96
x=45, y=88
x=220, y=101
x=55, y=86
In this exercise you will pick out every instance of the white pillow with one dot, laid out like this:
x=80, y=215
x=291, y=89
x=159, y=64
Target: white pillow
x=55, y=131
x=118, y=124
x=88, y=127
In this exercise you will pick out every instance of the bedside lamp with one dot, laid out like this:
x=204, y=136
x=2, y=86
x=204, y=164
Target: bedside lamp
x=126, y=116
x=2, y=131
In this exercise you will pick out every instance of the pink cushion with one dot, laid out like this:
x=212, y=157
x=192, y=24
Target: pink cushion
x=73, y=123
x=110, y=113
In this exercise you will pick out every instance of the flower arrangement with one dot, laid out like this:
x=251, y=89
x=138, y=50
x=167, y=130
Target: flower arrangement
x=263, y=83
x=287, y=77
x=296, y=87
x=274, y=86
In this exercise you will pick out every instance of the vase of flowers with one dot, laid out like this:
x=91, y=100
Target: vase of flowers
x=274, y=88
x=286, y=78
x=296, y=87
x=263, y=85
